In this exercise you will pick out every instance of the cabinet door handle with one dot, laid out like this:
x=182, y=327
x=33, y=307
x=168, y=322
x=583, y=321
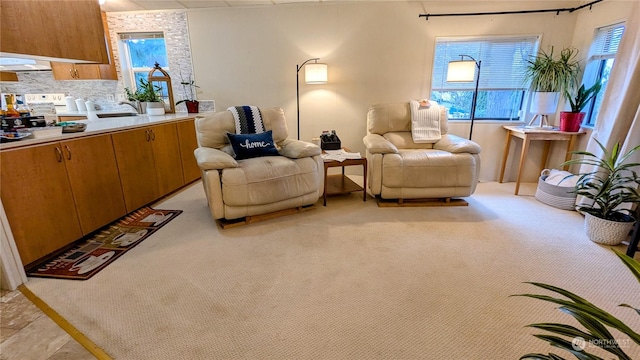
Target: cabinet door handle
x=71, y=73
x=58, y=154
x=77, y=74
x=68, y=152
x=153, y=135
x=147, y=136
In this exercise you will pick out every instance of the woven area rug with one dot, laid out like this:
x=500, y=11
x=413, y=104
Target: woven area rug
x=93, y=255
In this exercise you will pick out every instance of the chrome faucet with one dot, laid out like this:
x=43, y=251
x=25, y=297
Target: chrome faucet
x=137, y=106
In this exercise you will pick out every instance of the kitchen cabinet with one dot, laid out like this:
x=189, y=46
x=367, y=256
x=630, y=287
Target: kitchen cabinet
x=188, y=143
x=71, y=71
x=62, y=29
x=95, y=182
x=8, y=76
x=49, y=193
x=38, y=201
x=149, y=162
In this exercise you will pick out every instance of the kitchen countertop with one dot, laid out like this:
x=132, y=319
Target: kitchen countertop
x=97, y=126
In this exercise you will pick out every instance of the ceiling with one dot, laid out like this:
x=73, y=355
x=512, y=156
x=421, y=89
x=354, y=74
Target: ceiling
x=144, y=5
x=147, y=5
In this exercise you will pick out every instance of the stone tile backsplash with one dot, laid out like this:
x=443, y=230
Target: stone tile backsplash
x=105, y=92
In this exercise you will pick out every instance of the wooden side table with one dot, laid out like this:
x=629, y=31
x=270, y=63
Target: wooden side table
x=535, y=134
x=340, y=184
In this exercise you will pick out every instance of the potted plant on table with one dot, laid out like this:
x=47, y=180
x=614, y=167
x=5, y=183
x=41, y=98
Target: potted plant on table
x=571, y=120
x=549, y=76
x=189, y=87
x=610, y=182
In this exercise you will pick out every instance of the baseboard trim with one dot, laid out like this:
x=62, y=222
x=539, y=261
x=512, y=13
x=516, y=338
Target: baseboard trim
x=64, y=324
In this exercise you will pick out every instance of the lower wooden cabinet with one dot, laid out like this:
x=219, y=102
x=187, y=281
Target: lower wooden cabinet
x=54, y=194
x=188, y=143
x=149, y=163
x=95, y=182
x=38, y=201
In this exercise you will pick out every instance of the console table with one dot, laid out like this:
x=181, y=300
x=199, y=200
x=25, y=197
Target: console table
x=528, y=134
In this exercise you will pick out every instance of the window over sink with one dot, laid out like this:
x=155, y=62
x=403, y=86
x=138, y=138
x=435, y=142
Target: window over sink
x=139, y=53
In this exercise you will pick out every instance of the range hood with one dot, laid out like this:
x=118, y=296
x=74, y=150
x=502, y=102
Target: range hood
x=23, y=64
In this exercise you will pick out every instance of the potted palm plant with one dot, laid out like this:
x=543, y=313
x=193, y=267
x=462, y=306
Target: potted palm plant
x=549, y=76
x=595, y=334
x=571, y=120
x=610, y=182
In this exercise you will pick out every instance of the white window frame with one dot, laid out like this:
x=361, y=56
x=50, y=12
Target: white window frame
x=128, y=71
x=515, y=82
x=601, y=50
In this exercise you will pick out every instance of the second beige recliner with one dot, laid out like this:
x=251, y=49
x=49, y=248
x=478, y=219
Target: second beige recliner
x=401, y=169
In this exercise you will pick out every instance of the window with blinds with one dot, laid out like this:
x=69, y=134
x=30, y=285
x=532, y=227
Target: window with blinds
x=139, y=51
x=600, y=62
x=500, y=89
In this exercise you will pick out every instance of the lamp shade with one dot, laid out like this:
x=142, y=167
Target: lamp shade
x=461, y=71
x=315, y=73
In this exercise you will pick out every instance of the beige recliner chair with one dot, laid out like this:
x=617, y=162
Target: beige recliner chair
x=261, y=185
x=401, y=169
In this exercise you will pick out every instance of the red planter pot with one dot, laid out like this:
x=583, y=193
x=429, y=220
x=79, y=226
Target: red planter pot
x=570, y=121
x=192, y=106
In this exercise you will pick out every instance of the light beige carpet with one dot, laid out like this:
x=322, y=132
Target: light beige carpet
x=346, y=281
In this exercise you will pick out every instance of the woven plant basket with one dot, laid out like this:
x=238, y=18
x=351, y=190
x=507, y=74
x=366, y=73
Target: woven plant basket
x=606, y=232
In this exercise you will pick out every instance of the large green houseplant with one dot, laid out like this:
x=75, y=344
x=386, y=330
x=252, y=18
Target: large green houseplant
x=146, y=95
x=610, y=182
x=571, y=120
x=595, y=321
x=548, y=76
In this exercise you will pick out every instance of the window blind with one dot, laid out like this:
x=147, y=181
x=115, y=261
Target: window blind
x=504, y=60
x=606, y=41
x=141, y=35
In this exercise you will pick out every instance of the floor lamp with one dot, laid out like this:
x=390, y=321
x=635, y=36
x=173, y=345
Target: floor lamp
x=313, y=74
x=465, y=71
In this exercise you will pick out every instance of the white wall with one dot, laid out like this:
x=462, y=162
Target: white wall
x=376, y=52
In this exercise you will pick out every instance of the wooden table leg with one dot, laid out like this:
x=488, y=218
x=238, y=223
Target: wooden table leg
x=504, y=156
x=364, y=183
x=523, y=155
x=545, y=154
x=571, y=143
x=324, y=195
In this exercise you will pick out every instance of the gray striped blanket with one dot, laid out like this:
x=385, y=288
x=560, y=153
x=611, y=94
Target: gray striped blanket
x=248, y=119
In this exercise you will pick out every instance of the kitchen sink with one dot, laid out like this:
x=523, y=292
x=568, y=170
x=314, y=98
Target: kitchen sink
x=115, y=114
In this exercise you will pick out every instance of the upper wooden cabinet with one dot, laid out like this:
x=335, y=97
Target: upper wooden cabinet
x=71, y=71
x=8, y=76
x=63, y=29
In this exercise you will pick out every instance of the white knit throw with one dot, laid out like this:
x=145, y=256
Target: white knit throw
x=425, y=122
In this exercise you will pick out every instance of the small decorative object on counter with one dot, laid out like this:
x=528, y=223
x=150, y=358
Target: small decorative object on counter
x=70, y=102
x=189, y=87
x=163, y=85
x=71, y=127
x=11, y=111
x=80, y=104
